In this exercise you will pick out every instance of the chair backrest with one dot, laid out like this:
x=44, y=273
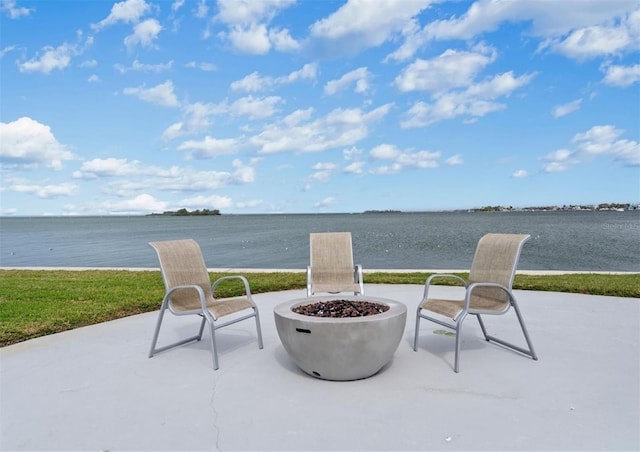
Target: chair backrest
x=495, y=261
x=181, y=263
x=331, y=262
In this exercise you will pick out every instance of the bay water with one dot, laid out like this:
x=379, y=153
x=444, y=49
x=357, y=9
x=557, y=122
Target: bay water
x=560, y=240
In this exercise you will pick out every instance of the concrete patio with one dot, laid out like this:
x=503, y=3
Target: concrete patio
x=95, y=389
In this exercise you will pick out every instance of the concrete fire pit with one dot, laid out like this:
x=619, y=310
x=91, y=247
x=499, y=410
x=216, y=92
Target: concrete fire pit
x=341, y=348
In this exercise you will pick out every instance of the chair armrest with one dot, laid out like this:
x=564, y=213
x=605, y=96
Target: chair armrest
x=474, y=286
x=244, y=280
x=427, y=283
x=195, y=287
x=309, y=281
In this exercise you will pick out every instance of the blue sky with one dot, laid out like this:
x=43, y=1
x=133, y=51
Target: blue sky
x=285, y=106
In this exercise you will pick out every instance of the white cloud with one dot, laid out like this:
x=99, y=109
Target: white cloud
x=326, y=202
x=295, y=133
x=141, y=67
x=454, y=160
x=255, y=108
x=47, y=191
x=239, y=12
x=255, y=82
x=519, y=174
x=133, y=176
x=597, y=141
x=202, y=10
x=109, y=167
x=161, y=94
x=93, y=78
x=282, y=40
x=252, y=39
x=89, y=63
x=6, y=50
x=144, y=34
x=567, y=29
x=360, y=77
x=203, y=66
x=356, y=167
x=143, y=203
x=475, y=101
x=207, y=202
x=249, y=204
x=247, y=23
x=252, y=83
x=49, y=59
x=451, y=69
x=196, y=119
x=177, y=4
x=604, y=140
x=26, y=143
x=558, y=161
x=565, y=109
x=384, y=151
x=128, y=11
x=402, y=159
x=323, y=171
x=622, y=76
x=360, y=24
x=209, y=147
x=352, y=153
x=10, y=8
x=600, y=40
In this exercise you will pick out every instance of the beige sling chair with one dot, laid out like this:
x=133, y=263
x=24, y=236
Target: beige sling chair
x=331, y=266
x=488, y=291
x=189, y=292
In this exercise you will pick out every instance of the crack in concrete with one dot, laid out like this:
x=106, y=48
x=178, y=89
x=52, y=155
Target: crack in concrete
x=212, y=404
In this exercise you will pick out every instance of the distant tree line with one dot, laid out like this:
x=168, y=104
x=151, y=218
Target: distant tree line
x=187, y=213
x=603, y=206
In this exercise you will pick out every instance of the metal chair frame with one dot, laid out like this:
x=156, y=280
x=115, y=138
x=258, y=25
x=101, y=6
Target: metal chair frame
x=204, y=312
x=468, y=310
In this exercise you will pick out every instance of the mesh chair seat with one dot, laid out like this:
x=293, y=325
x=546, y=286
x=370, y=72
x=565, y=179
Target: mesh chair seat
x=453, y=308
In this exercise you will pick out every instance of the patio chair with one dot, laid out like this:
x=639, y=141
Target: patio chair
x=189, y=292
x=488, y=291
x=331, y=266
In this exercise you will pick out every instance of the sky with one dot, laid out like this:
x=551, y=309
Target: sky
x=317, y=106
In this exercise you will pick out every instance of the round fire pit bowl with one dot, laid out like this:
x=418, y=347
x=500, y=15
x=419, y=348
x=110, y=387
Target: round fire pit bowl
x=341, y=348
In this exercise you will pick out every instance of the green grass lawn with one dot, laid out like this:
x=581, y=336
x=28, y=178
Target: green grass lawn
x=35, y=303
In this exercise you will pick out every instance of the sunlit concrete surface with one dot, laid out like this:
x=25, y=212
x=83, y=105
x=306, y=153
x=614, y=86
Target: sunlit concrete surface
x=95, y=389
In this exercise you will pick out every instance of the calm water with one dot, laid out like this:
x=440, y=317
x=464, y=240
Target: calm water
x=597, y=241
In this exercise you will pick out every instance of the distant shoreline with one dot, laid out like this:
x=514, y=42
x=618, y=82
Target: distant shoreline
x=302, y=270
x=608, y=207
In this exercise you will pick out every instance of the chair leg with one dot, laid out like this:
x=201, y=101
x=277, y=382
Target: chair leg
x=214, y=349
x=258, y=329
x=530, y=352
x=456, y=366
x=415, y=337
x=154, y=349
x=204, y=320
x=482, y=327
x=156, y=332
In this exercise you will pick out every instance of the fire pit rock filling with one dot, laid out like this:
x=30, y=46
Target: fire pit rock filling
x=341, y=338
